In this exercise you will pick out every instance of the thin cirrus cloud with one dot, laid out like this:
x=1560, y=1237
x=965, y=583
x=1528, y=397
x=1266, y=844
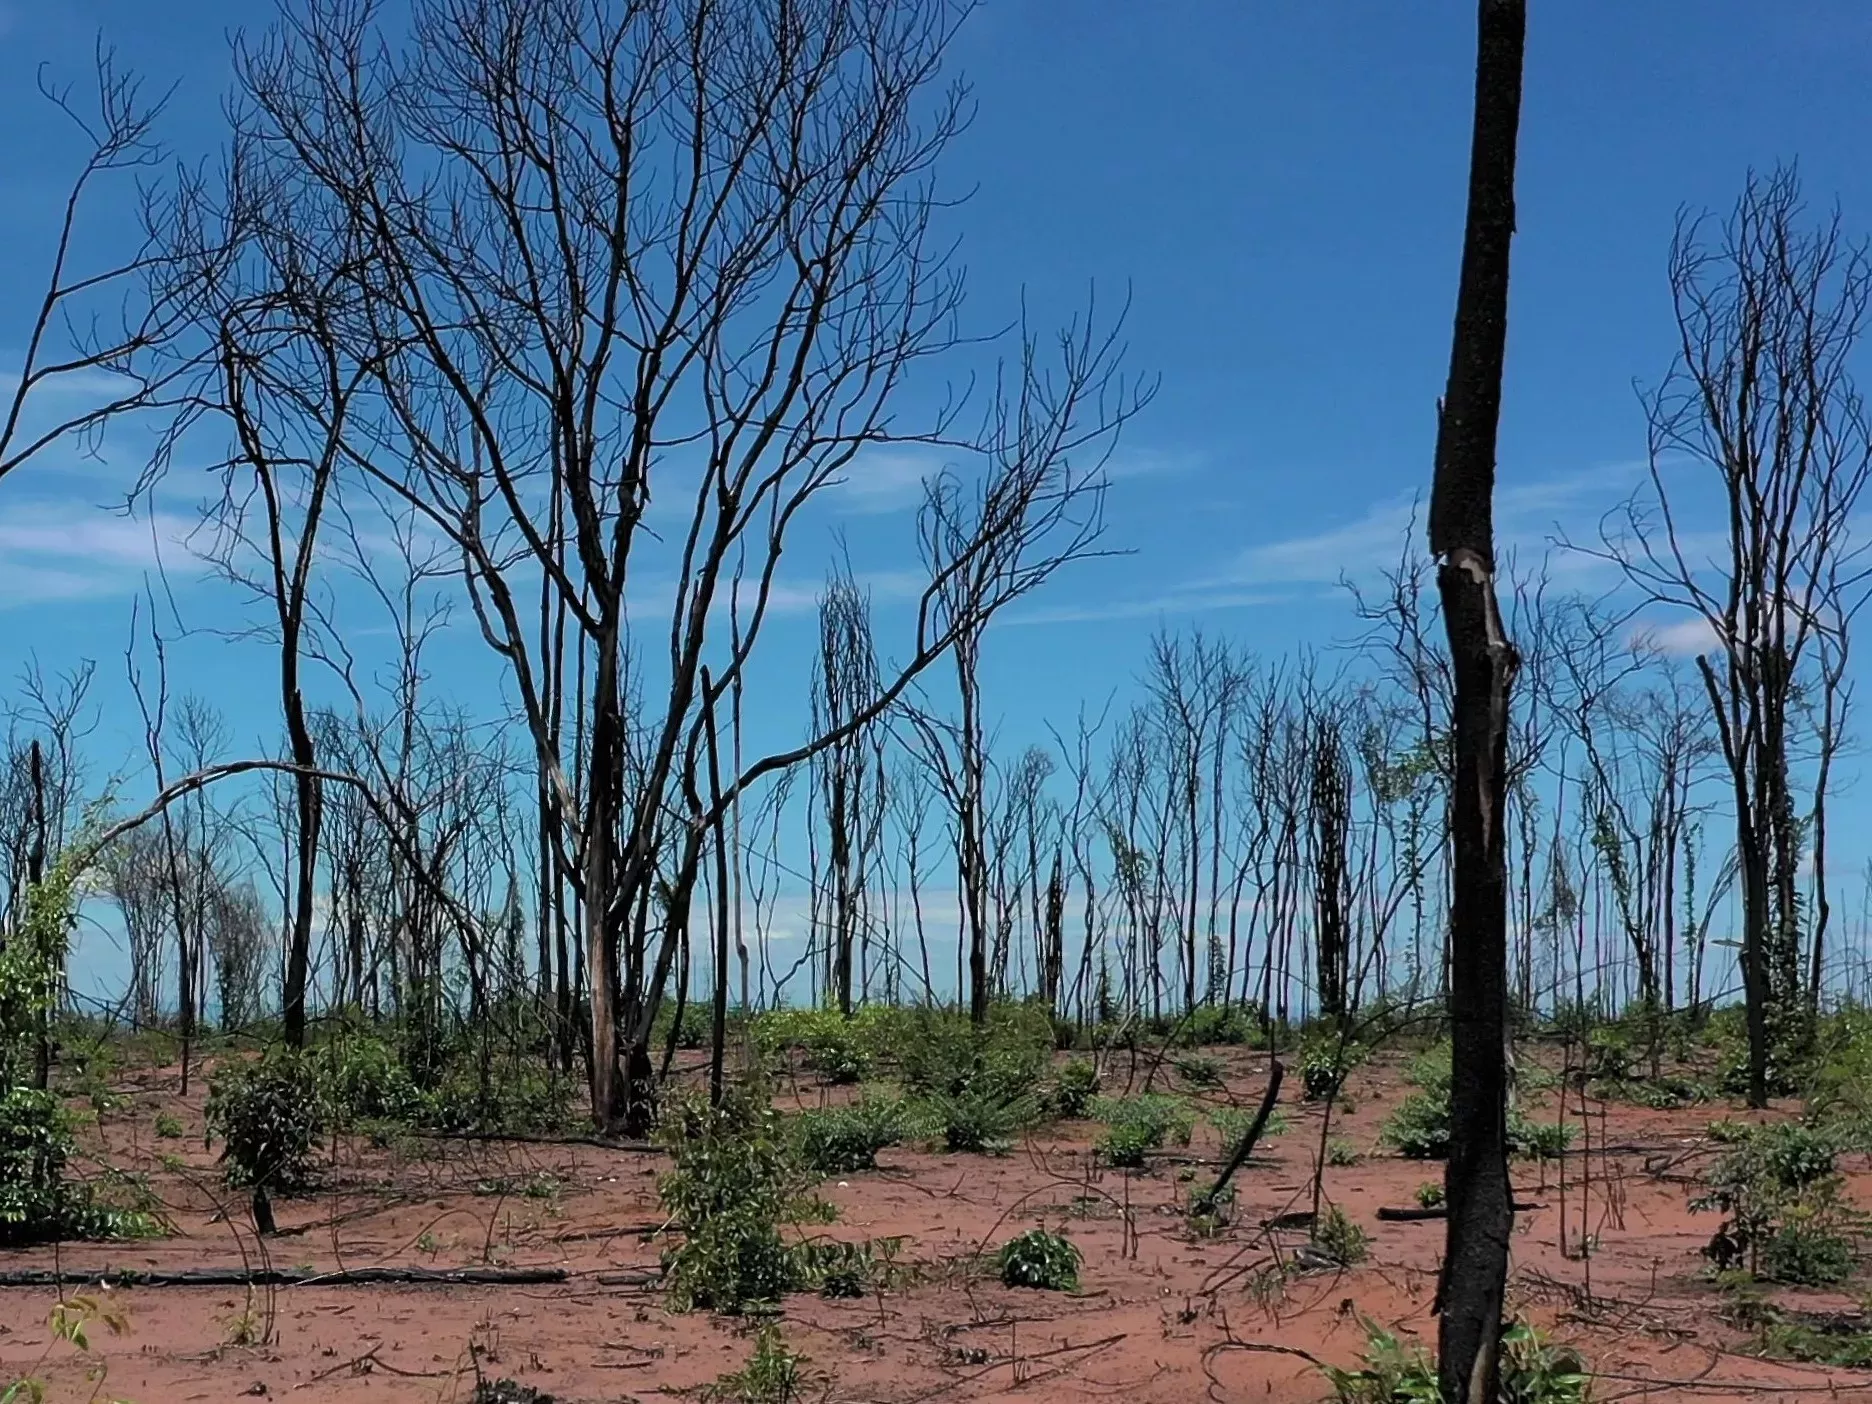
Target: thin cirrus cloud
x=882, y=481
x=1527, y=516
x=73, y=552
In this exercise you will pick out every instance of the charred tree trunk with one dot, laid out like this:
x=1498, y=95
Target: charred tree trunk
x=1481, y=1211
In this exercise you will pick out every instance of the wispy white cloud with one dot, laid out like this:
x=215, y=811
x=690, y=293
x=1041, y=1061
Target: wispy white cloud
x=1682, y=638
x=71, y=552
x=1527, y=515
x=1190, y=601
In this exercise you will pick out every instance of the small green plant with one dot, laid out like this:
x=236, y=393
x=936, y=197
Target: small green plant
x=1785, y=1214
x=1337, y=1238
x=844, y=1140
x=1532, y=1371
x=168, y=1126
x=1430, y=1194
x=1210, y=1214
x=364, y=1080
x=1041, y=1259
x=981, y=1120
x=1074, y=1088
x=1326, y=1059
x=1232, y=1123
x=1163, y=1119
x=1389, y=1373
x=70, y=1323
x=1199, y=1069
x=733, y=1184
x=774, y=1374
x=1341, y=1152
x=1128, y=1145
x=271, y=1120
x=837, y=1048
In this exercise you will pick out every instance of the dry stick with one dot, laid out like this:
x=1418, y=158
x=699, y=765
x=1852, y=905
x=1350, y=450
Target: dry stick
x=1268, y=1098
x=286, y=1277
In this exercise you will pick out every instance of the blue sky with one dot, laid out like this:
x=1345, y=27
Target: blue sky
x=1277, y=186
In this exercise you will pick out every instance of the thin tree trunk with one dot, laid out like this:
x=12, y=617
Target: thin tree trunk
x=1481, y=1211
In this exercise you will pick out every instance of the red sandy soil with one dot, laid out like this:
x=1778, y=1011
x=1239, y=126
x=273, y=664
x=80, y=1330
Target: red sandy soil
x=1162, y=1316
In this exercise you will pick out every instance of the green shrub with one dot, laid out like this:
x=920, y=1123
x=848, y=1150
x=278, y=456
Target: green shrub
x=843, y=1140
x=1040, y=1259
x=1076, y=1084
x=35, y=1140
x=168, y=1126
x=363, y=1079
x=1232, y=1123
x=1211, y=1024
x=1532, y=1371
x=1127, y=1145
x=1209, y=1214
x=733, y=1184
x=1336, y=1237
x=1341, y=1152
x=1609, y=1054
x=942, y=1055
x=980, y=1119
x=1326, y=1060
x=1139, y=1125
x=774, y=1374
x=526, y=1096
x=270, y=1117
x=1430, y=1194
x=1786, y=1218
x=1199, y=1069
x=1420, y=1129
x=839, y=1050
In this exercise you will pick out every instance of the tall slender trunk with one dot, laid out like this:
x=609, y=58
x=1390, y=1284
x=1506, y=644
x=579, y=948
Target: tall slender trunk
x=1481, y=1212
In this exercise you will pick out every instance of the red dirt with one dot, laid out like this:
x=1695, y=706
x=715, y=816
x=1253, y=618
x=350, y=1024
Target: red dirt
x=1162, y=1316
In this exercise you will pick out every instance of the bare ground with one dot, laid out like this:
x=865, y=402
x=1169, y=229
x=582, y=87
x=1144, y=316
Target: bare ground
x=1161, y=1316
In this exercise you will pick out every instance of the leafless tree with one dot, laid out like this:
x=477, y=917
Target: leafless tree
x=1759, y=453
x=1462, y=538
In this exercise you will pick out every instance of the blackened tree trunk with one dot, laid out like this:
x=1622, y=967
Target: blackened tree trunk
x=1462, y=532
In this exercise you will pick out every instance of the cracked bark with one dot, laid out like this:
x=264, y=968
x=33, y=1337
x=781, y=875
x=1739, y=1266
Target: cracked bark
x=1481, y=1210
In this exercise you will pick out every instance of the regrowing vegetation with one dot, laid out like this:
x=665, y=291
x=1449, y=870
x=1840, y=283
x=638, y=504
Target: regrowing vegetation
x=522, y=346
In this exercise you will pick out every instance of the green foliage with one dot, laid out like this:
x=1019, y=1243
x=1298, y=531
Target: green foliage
x=1209, y=1214
x=70, y=1324
x=980, y=1119
x=1139, y=1125
x=35, y=1140
x=1430, y=1194
x=1212, y=1024
x=839, y=1049
x=1337, y=1237
x=1076, y=1084
x=774, y=1374
x=364, y=1080
x=1041, y=1259
x=842, y=1140
x=1326, y=1060
x=270, y=1116
x=1786, y=1217
x=1420, y=1127
x=525, y=1096
x=37, y=1202
x=1232, y=1123
x=1341, y=1152
x=733, y=1184
x=943, y=1055
x=30, y=961
x=1199, y=1069
x=168, y=1126
x=1533, y=1371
